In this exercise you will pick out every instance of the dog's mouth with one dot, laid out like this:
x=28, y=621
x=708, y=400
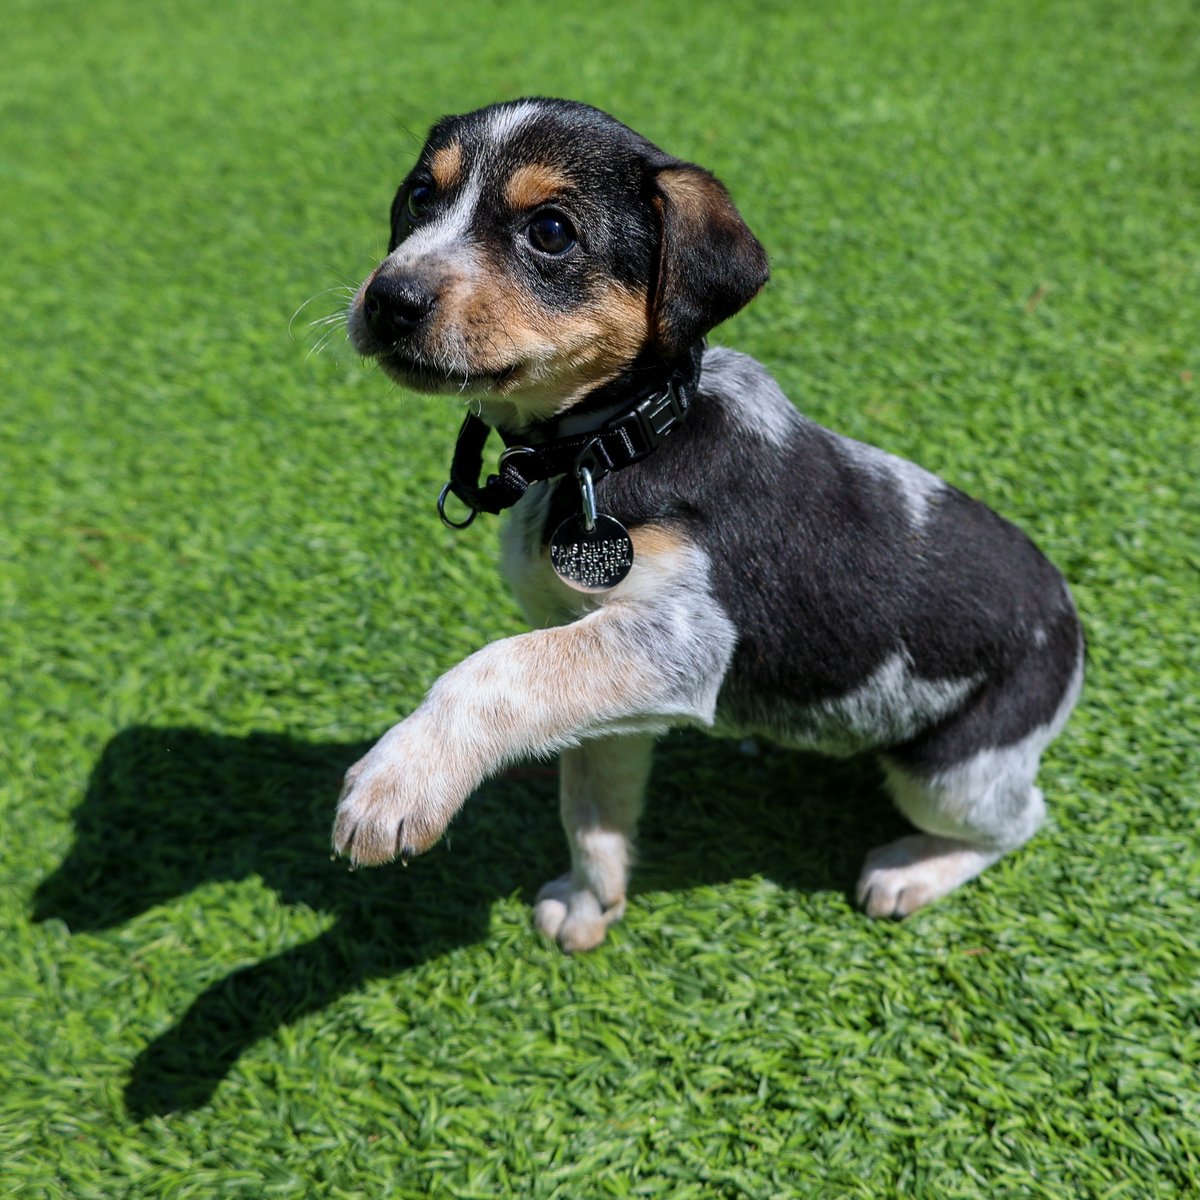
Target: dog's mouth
x=422, y=374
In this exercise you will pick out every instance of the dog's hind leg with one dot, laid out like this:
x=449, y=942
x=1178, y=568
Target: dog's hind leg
x=602, y=784
x=971, y=811
x=971, y=815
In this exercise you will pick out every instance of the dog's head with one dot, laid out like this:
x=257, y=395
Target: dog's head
x=539, y=249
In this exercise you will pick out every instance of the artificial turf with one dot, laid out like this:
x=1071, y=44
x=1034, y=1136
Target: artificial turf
x=221, y=576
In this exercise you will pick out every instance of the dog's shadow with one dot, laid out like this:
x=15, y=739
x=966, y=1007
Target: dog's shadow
x=169, y=809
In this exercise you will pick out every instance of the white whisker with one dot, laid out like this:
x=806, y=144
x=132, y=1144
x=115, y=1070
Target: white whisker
x=320, y=344
x=343, y=289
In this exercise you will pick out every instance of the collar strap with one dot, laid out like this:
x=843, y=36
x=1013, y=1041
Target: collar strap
x=633, y=434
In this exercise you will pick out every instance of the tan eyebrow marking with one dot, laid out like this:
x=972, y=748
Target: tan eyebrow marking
x=534, y=184
x=446, y=165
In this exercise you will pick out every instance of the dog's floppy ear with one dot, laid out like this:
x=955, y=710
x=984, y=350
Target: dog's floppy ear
x=709, y=263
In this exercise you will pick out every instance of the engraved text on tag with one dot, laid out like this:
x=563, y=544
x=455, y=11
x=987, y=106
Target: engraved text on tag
x=591, y=560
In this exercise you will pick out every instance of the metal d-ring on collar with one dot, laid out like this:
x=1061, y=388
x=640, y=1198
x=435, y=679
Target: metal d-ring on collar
x=472, y=513
x=587, y=495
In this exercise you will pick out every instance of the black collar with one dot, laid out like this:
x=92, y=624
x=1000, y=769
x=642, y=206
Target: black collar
x=644, y=422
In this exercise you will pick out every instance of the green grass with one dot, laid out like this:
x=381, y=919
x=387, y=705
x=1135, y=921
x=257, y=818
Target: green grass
x=221, y=575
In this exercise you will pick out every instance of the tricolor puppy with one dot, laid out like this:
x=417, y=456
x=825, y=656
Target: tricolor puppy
x=688, y=548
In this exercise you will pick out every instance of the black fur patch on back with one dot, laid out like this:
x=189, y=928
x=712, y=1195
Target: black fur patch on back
x=820, y=566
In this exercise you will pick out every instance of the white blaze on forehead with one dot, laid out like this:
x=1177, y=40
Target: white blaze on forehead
x=504, y=123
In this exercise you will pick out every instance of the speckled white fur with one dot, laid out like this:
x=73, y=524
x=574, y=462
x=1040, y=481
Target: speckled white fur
x=890, y=706
x=760, y=407
x=917, y=488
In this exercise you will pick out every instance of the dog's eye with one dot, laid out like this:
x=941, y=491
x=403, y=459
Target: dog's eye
x=418, y=200
x=551, y=233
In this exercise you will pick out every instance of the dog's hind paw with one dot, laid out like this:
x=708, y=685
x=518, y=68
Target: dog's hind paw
x=907, y=874
x=574, y=917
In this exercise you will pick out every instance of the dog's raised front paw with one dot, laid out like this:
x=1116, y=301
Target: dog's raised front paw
x=396, y=801
x=573, y=916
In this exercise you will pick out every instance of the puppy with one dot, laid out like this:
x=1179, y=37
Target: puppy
x=688, y=548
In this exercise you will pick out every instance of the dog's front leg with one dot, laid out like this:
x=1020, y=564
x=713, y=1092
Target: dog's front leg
x=602, y=785
x=617, y=670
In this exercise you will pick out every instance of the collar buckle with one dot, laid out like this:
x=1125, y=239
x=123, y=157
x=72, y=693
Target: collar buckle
x=658, y=415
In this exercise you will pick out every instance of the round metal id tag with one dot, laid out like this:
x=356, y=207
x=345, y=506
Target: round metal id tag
x=591, y=560
x=592, y=552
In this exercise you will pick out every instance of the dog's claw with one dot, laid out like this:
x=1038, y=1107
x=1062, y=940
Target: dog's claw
x=343, y=840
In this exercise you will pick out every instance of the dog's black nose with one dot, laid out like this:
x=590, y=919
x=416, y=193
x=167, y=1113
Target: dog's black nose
x=393, y=307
